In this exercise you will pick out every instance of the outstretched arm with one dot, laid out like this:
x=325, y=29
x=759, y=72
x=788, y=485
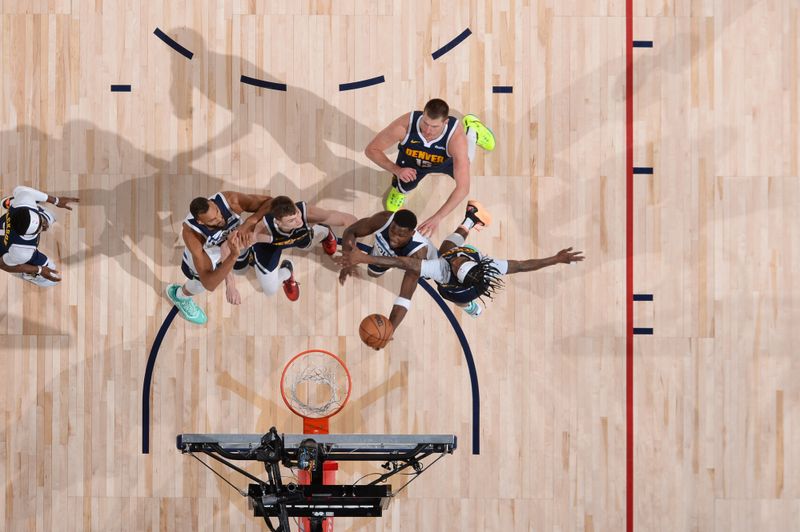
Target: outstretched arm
x=407, y=288
x=356, y=256
x=22, y=193
x=258, y=204
x=44, y=271
x=565, y=256
x=317, y=215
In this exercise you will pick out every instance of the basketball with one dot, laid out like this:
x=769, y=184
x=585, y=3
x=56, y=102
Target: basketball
x=374, y=329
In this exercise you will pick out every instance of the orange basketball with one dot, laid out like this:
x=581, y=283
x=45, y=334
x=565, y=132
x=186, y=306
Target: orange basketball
x=374, y=329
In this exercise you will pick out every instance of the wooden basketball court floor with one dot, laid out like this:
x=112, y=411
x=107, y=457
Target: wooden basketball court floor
x=716, y=399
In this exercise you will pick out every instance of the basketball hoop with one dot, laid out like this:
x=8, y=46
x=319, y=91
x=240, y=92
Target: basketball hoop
x=315, y=385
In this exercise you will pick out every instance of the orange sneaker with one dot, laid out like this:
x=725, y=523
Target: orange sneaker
x=478, y=214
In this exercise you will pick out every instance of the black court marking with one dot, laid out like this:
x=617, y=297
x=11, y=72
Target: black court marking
x=642, y=297
x=361, y=84
x=473, y=373
x=173, y=43
x=452, y=44
x=120, y=88
x=642, y=330
x=642, y=170
x=263, y=83
x=502, y=89
x=642, y=44
x=148, y=377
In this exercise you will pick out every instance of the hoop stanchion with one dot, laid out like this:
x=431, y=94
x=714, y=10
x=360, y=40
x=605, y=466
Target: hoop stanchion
x=315, y=385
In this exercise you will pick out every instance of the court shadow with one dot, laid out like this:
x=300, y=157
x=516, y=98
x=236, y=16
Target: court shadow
x=682, y=50
x=118, y=186
x=304, y=124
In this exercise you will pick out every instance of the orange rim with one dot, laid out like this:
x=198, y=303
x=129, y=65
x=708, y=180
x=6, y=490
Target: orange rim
x=339, y=360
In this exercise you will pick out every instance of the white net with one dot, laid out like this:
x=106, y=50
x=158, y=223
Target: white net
x=315, y=384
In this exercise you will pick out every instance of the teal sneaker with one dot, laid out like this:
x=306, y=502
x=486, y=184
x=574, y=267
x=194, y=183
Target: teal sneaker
x=395, y=200
x=485, y=135
x=473, y=309
x=187, y=307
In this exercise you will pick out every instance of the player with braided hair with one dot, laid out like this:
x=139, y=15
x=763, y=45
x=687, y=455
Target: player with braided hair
x=462, y=273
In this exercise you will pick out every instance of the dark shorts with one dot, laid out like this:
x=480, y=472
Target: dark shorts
x=457, y=294
x=445, y=168
x=266, y=257
x=38, y=259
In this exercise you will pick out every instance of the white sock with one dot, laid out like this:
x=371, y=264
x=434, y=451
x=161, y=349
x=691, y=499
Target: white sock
x=472, y=142
x=319, y=233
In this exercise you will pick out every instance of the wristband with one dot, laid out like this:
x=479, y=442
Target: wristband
x=56, y=202
x=403, y=302
x=38, y=271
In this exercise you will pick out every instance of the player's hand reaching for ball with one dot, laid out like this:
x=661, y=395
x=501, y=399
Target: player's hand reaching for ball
x=567, y=256
x=350, y=258
x=344, y=273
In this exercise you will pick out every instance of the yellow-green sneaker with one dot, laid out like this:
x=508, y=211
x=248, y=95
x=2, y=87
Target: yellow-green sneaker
x=485, y=135
x=395, y=200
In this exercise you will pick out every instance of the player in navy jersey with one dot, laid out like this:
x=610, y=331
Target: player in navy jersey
x=395, y=235
x=214, y=248
x=429, y=141
x=22, y=226
x=288, y=224
x=462, y=274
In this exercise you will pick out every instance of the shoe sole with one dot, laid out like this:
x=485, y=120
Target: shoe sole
x=481, y=209
x=391, y=208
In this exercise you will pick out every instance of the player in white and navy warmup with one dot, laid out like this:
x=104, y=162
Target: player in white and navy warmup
x=395, y=235
x=214, y=248
x=22, y=226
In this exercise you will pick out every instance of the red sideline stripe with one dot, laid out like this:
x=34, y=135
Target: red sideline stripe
x=629, y=264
